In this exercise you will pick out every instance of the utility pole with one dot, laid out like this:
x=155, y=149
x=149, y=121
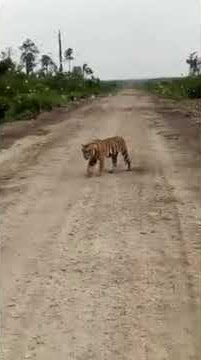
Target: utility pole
x=60, y=54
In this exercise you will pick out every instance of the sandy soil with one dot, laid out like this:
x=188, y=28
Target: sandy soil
x=107, y=267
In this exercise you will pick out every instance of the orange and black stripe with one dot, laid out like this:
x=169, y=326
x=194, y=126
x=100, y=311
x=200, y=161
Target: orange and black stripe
x=97, y=150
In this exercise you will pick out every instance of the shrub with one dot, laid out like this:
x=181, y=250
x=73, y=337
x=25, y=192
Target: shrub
x=188, y=87
x=23, y=94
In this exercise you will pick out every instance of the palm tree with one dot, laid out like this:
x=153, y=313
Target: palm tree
x=68, y=54
x=86, y=70
x=193, y=63
x=89, y=71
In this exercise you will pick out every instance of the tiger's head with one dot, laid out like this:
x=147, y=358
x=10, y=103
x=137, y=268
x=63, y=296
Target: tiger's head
x=87, y=151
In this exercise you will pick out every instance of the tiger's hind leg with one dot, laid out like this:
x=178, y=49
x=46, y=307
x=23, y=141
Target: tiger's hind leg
x=126, y=159
x=114, y=162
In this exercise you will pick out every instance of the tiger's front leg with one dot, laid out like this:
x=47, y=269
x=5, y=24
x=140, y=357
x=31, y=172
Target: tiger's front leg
x=91, y=163
x=89, y=169
x=101, y=165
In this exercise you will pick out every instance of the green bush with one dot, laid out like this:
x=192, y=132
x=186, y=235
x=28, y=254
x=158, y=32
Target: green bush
x=21, y=95
x=188, y=87
x=4, y=106
x=22, y=103
x=32, y=103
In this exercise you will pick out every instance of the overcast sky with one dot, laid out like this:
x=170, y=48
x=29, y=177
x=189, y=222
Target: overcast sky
x=117, y=38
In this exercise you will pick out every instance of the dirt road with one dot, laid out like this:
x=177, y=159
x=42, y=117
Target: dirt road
x=107, y=267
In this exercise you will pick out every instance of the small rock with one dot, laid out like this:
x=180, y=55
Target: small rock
x=27, y=356
x=166, y=218
x=11, y=305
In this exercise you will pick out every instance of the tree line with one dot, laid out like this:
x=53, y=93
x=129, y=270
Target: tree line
x=30, y=61
x=36, y=83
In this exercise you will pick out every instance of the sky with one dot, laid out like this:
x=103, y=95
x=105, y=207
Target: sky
x=119, y=39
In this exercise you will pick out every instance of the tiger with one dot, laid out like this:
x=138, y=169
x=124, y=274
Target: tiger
x=98, y=149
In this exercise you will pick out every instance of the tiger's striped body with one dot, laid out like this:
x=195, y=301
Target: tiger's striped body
x=100, y=149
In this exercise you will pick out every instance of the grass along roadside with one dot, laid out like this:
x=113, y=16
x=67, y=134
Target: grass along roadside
x=177, y=88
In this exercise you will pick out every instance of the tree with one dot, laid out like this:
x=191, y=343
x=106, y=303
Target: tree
x=47, y=64
x=193, y=63
x=68, y=54
x=77, y=71
x=29, y=52
x=6, y=63
x=6, y=54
